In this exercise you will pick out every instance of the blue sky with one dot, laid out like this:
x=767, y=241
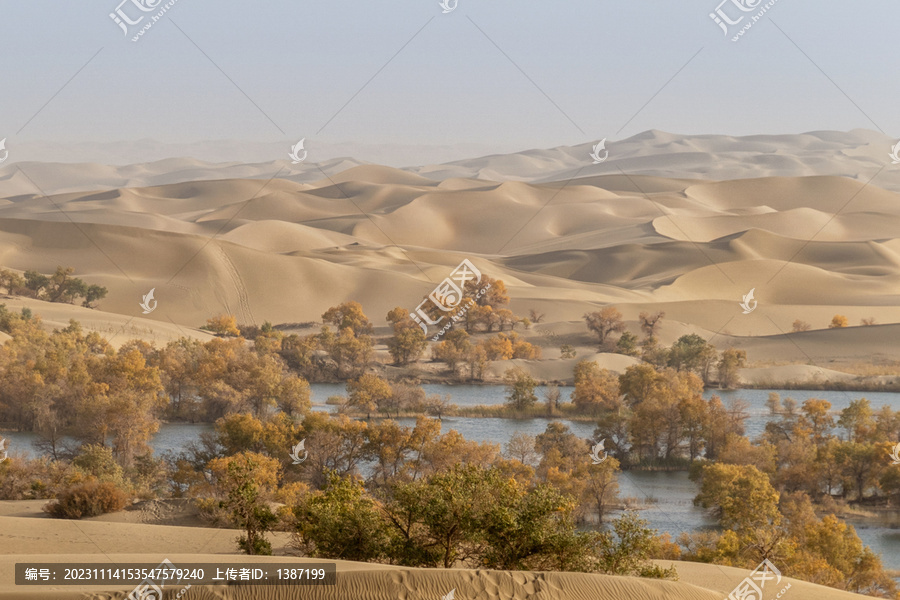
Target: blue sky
x=502, y=75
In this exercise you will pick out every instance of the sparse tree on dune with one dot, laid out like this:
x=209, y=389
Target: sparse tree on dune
x=799, y=326
x=11, y=281
x=224, y=325
x=650, y=322
x=605, y=322
x=349, y=314
x=838, y=321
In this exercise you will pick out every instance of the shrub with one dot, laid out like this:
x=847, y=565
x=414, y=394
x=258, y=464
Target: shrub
x=26, y=479
x=222, y=325
x=799, y=326
x=568, y=352
x=98, y=461
x=87, y=500
x=837, y=322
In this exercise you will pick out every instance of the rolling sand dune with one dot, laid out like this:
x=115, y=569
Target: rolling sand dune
x=682, y=224
x=685, y=224
x=857, y=154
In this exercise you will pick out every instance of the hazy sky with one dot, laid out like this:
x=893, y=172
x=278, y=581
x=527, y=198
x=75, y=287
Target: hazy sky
x=496, y=76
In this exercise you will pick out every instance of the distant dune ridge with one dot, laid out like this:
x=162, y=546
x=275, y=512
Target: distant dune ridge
x=685, y=224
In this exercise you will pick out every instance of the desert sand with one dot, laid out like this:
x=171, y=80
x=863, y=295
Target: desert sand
x=147, y=535
x=684, y=224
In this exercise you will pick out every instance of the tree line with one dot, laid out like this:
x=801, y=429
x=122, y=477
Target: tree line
x=59, y=286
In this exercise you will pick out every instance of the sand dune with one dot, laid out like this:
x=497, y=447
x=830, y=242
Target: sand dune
x=663, y=235
x=857, y=154
x=28, y=536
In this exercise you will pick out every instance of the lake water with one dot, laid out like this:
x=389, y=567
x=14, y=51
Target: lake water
x=670, y=495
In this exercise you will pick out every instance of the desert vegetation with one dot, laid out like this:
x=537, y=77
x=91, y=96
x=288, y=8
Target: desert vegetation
x=539, y=503
x=59, y=286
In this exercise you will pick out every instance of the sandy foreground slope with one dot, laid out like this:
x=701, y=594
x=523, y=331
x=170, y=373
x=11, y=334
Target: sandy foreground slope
x=140, y=536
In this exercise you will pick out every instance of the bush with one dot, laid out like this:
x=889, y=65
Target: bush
x=98, y=461
x=87, y=500
x=838, y=322
x=27, y=479
x=259, y=546
x=799, y=326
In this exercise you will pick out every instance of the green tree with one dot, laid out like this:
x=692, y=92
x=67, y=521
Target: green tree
x=692, y=353
x=627, y=344
x=858, y=420
x=567, y=352
x=92, y=294
x=246, y=481
x=519, y=389
x=438, y=519
x=11, y=280
x=626, y=550
x=342, y=522
x=36, y=283
x=730, y=364
x=530, y=529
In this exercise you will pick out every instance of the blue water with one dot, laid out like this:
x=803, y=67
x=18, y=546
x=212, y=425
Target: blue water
x=666, y=497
